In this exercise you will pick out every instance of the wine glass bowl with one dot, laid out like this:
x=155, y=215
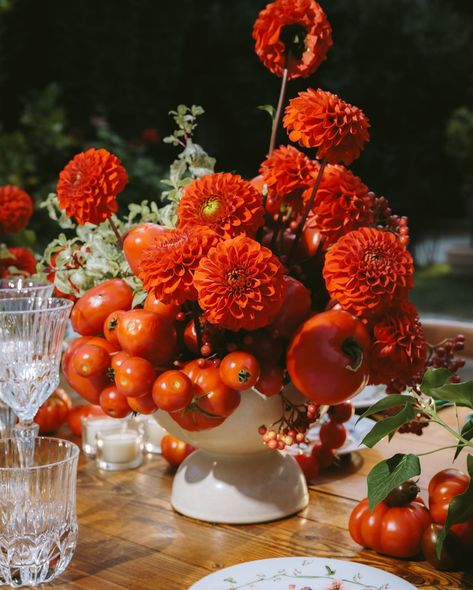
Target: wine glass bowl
x=25, y=287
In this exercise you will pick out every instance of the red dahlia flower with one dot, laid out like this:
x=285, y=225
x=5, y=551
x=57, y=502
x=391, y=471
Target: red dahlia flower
x=287, y=172
x=322, y=120
x=399, y=348
x=16, y=209
x=22, y=259
x=223, y=202
x=89, y=184
x=167, y=268
x=367, y=270
x=342, y=204
x=297, y=29
x=240, y=285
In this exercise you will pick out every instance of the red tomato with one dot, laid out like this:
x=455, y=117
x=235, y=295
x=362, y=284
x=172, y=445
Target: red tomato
x=195, y=420
x=119, y=358
x=327, y=359
x=71, y=348
x=175, y=450
x=172, y=391
x=341, y=413
x=270, y=381
x=264, y=347
x=135, y=377
x=310, y=240
x=143, y=405
x=90, y=360
x=190, y=337
x=308, y=464
x=53, y=413
x=294, y=311
x=93, y=308
x=105, y=344
x=77, y=412
x=137, y=240
x=332, y=435
x=110, y=327
x=324, y=456
x=452, y=552
x=114, y=403
x=392, y=531
x=168, y=310
x=148, y=335
x=239, y=370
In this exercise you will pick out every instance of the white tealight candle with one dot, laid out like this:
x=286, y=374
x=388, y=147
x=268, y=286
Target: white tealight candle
x=90, y=428
x=119, y=449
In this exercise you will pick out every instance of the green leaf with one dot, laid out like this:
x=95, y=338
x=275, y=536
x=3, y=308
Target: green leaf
x=389, y=425
x=460, y=509
x=459, y=393
x=467, y=433
x=387, y=475
x=434, y=378
x=269, y=109
x=390, y=401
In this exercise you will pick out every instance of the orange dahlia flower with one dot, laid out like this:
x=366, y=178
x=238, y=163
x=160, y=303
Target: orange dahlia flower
x=167, y=267
x=297, y=29
x=22, y=259
x=16, y=209
x=322, y=120
x=89, y=184
x=240, y=284
x=287, y=172
x=342, y=204
x=399, y=348
x=367, y=270
x=224, y=202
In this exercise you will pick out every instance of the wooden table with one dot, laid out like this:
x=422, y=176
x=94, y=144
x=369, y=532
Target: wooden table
x=131, y=538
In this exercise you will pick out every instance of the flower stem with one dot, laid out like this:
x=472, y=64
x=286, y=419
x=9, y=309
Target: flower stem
x=116, y=232
x=277, y=117
x=276, y=230
x=307, y=209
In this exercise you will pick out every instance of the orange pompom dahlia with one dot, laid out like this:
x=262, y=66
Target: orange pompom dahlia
x=22, y=259
x=89, y=184
x=223, y=202
x=367, y=270
x=240, y=284
x=399, y=348
x=167, y=268
x=322, y=120
x=342, y=204
x=297, y=29
x=16, y=209
x=287, y=172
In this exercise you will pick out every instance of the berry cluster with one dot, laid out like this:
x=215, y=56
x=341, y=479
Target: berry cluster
x=385, y=219
x=292, y=427
x=444, y=355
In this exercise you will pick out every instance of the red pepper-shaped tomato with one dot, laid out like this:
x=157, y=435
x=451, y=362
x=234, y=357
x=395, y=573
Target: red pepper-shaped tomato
x=395, y=531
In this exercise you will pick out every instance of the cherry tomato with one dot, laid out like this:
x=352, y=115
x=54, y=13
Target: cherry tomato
x=402, y=494
x=308, y=464
x=114, y=403
x=327, y=359
x=452, y=553
x=168, y=310
x=172, y=391
x=119, y=358
x=311, y=240
x=175, y=450
x=148, y=335
x=135, y=377
x=93, y=308
x=77, y=412
x=394, y=531
x=88, y=387
x=110, y=327
x=105, y=344
x=324, y=456
x=294, y=310
x=332, y=435
x=239, y=370
x=270, y=381
x=137, y=240
x=341, y=413
x=143, y=405
x=90, y=360
x=71, y=348
x=53, y=413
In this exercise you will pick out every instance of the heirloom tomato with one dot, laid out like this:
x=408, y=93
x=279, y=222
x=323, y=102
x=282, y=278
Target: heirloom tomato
x=77, y=412
x=294, y=310
x=327, y=359
x=452, y=552
x=172, y=391
x=239, y=370
x=110, y=327
x=168, y=310
x=175, y=450
x=135, y=377
x=137, y=240
x=53, y=413
x=148, y=335
x=92, y=309
x=114, y=403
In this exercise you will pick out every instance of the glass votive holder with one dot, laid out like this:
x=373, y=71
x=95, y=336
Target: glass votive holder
x=119, y=449
x=91, y=425
x=152, y=434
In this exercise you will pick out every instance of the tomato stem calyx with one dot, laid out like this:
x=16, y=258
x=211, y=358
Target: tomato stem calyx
x=354, y=352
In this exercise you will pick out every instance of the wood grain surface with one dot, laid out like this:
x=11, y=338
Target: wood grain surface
x=131, y=538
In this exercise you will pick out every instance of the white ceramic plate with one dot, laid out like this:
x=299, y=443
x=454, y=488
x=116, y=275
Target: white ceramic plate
x=368, y=396
x=301, y=573
x=355, y=434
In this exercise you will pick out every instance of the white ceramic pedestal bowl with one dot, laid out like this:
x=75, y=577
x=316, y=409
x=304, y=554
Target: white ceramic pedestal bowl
x=233, y=477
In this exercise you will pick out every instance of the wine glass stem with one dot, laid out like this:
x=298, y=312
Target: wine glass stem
x=25, y=432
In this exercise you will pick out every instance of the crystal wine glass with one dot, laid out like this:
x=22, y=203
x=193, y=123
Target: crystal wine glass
x=31, y=336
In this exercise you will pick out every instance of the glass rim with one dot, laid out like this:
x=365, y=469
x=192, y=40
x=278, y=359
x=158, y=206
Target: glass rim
x=75, y=450
x=62, y=304
x=28, y=283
